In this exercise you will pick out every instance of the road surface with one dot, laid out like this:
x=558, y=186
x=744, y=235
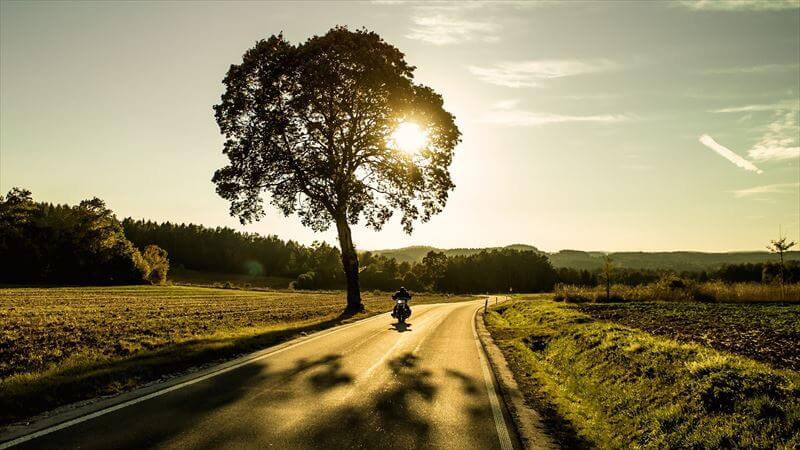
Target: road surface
x=365, y=385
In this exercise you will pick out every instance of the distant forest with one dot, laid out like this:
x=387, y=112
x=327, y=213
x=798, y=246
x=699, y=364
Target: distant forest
x=319, y=266
x=520, y=268
x=679, y=261
x=85, y=244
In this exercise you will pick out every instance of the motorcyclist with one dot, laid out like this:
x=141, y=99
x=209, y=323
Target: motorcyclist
x=401, y=294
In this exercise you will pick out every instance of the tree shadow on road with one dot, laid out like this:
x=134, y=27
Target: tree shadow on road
x=390, y=420
x=211, y=420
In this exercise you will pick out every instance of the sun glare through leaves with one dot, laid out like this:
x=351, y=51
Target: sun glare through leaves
x=408, y=137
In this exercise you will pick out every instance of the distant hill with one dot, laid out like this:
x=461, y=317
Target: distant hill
x=678, y=260
x=417, y=252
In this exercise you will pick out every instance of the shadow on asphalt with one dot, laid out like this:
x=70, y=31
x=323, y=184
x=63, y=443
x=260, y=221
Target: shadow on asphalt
x=401, y=327
x=105, y=376
x=239, y=410
x=185, y=410
x=390, y=421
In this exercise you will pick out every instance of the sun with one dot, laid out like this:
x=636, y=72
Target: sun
x=409, y=138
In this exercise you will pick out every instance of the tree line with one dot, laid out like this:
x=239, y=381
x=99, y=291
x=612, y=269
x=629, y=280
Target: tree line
x=319, y=265
x=85, y=244
x=221, y=249
x=768, y=272
x=62, y=244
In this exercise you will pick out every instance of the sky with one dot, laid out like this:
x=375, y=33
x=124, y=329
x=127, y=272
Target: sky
x=594, y=126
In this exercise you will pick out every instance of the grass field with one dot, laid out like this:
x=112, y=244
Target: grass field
x=61, y=345
x=605, y=385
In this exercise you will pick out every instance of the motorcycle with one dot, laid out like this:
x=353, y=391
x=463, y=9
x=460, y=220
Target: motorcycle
x=401, y=310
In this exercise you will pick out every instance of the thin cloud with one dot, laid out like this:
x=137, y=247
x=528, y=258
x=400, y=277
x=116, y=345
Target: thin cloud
x=518, y=74
x=443, y=30
x=780, y=188
x=788, y=104
x=741, y=5
x=764, y=68
x=728, y=154
x=780, y=142
x=505, y=113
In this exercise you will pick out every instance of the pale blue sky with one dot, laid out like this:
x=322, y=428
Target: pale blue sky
x=582, y=122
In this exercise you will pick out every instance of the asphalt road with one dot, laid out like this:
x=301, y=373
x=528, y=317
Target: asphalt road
x=365, y=385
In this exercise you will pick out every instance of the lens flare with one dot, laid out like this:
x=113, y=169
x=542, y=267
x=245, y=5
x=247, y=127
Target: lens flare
x=409, y=138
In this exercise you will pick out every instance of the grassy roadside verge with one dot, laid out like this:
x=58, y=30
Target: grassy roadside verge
x=62, y=345
x=618, y=387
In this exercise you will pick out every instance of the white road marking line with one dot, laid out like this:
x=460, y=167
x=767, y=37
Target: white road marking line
x=499, y=421
x=110, y=409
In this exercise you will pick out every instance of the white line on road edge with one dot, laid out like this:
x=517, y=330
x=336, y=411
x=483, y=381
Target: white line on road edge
x=499, y=421
x=102, y=412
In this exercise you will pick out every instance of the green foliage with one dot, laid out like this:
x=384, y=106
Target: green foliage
x=82, y=244
x=415, y=253
x=494, y=271
x=156, y=259
x=623, y=388
x=224, y=250
x=291, y=130
x=306, y=281
x=311, y=125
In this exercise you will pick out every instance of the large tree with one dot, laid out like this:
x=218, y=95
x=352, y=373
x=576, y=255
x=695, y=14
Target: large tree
x=314, y=126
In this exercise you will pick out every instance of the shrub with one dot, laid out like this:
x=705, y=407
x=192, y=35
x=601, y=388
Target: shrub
x=157, y=262
x=306, y=281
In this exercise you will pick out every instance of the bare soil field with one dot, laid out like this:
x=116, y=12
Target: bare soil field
x=768, y=333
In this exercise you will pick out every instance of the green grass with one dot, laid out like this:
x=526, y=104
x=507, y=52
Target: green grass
x=618, y=387
x=61, y=345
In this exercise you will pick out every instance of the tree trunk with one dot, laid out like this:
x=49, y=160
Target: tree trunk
x=350, y=264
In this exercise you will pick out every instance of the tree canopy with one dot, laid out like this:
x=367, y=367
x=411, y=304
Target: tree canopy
x=81, y=244
x=311, y=125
